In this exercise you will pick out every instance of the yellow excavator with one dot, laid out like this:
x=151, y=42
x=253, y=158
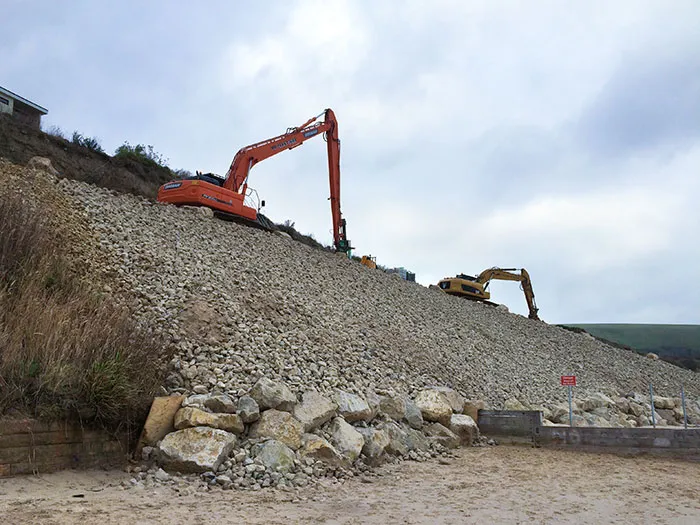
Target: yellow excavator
x=475, y=288
x=369, y=261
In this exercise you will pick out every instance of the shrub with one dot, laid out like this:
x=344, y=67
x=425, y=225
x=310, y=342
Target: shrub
x=92, y=143
x=182, y=174
x=65, y=350
x=143, y=154
x=55, y=131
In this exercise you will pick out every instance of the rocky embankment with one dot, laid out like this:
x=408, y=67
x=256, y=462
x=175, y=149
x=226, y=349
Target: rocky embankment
x=239, y=304
x=271, y=438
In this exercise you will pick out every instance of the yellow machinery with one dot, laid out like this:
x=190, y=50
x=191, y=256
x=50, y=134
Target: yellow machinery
x=369, y=261
x=475, y=288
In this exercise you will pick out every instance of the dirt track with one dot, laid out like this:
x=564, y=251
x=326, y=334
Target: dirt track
x=484, y=485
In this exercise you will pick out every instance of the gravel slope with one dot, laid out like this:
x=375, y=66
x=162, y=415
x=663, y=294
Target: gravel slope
x=240, y=303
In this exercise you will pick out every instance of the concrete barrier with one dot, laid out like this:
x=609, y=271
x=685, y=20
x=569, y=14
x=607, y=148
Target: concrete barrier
x=525, y=427
x=515, y=426
x=628, y=441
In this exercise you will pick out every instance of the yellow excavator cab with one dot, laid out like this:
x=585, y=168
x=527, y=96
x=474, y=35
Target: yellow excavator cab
x=464, y=286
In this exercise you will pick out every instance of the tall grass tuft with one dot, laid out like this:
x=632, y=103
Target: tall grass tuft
x=66, y=351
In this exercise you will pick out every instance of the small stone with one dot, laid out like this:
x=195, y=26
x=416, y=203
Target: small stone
x=199, y=389
x=161, y=475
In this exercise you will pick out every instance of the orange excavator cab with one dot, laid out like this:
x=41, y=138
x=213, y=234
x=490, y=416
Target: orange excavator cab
x=227, y=195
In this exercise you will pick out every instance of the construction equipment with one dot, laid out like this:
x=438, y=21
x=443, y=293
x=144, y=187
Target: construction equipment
x=475, y=288
x=227, y=195
x=369, y=261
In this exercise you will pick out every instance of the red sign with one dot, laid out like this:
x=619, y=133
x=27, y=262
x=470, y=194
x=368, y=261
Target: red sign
x=568, y=380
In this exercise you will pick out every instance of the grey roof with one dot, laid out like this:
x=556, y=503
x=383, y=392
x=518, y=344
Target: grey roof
x=15, y=96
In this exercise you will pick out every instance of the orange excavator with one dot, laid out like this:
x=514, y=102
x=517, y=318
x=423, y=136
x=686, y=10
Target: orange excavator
x=227, y=195
x=476, y=288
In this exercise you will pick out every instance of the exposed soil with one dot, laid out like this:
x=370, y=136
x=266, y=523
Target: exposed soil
x=483, y=485
x=19, y=143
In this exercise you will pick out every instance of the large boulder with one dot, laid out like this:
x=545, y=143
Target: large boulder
x=465, y=427
x=434, y=406
x=278, y=425
x=373, y=401
x=220, y=403
x=514, y=404
x=352, y=407
x=636, y=409
x=472, y=407
x=275, y=455
x=399, y=442
x=314, y=410
x=393, y=406
x=318, y=448
x=195, y=400
x=666, y=403
x=159, y=422
x=414, y=439
x=413, y=415
x=248, y=409
x=194, y=417
x=443, y=435
x=453, y=397
x=273, y=394
x=376, y=440
x=196, y=449
x=346, y=439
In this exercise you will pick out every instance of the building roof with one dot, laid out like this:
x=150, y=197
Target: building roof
x=29, y=103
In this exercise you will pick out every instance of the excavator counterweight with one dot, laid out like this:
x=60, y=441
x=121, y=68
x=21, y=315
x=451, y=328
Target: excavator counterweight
x=227, y=195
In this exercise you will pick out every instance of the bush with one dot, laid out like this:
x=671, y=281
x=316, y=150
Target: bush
x=143, y=154
x=182, y=174
x=65, y=350
x=92, y=143
x=55, y=131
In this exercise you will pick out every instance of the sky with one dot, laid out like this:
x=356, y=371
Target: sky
x=560, y=137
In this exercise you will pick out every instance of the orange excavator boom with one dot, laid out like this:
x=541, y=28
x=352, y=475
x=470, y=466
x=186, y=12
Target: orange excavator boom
x=228, y=195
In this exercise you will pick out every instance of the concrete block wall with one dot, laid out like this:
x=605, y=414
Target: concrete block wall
x=676, y=442
x=29, y=446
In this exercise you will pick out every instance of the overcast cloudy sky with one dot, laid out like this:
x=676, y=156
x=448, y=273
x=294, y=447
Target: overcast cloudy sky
x=562, y=137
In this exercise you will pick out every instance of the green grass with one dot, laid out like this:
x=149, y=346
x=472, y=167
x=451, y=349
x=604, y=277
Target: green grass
x=679, y=344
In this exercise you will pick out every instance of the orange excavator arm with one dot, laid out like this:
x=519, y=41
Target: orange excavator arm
x=237, y=175
x=504, y=274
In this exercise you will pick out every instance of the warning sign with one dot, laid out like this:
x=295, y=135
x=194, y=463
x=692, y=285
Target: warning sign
x=568, y=380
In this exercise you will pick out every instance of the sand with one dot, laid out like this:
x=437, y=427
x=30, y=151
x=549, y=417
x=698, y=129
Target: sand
x=482, y=485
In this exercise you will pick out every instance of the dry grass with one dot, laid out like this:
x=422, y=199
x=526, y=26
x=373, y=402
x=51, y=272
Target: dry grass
x=65, y=350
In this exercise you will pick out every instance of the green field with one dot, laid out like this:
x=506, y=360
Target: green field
x=678, y=343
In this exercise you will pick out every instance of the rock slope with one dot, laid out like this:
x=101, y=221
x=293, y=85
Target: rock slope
x=240, y=304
